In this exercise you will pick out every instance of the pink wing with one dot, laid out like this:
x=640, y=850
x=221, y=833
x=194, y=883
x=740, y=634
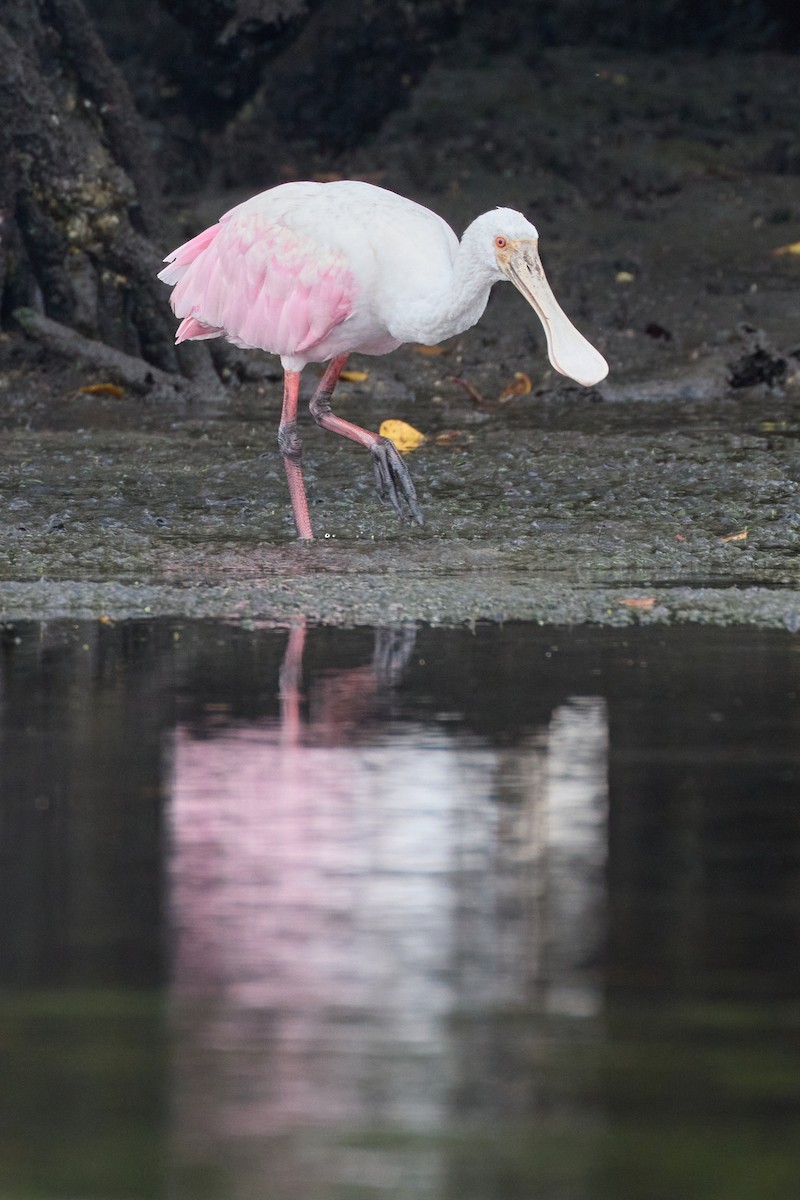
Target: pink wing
x=260, y=284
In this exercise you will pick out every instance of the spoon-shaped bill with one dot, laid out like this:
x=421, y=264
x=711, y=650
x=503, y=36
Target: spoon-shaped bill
x=567, y=349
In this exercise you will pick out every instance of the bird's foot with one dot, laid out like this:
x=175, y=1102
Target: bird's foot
x=393, y=480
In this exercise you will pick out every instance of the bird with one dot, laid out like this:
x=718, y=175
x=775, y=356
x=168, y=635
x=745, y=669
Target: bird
x=314, y=271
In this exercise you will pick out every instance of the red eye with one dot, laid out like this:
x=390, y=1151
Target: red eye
x=500, y=243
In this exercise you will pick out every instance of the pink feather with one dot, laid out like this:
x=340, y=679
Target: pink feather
x=259, y=284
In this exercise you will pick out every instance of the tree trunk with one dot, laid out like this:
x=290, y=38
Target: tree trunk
x=78, y=196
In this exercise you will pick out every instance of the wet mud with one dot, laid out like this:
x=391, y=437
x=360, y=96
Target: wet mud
x=662, y=188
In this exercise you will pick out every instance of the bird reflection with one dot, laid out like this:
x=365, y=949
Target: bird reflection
x=345, y=883
x=346, y=698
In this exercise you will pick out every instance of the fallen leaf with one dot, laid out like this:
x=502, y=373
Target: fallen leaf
x=103, y=389
x=354, y=376
x=430, y=351
x=452, y=437
x=643, y=602
x=520, y=387
x=741, y=536
x=792, y=248
x=104, y=620
x=624, y=277
x=404, y=436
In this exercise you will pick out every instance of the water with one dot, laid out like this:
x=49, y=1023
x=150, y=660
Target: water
x=317, y=914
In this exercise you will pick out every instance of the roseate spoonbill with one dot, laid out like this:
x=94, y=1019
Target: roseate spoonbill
x=313, y=271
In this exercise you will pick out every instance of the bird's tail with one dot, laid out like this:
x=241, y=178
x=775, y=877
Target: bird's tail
x=192, y=330
x=179, y=262
x=181, y=259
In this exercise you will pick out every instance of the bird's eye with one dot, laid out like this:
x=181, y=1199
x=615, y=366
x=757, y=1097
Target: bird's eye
x=500, y=242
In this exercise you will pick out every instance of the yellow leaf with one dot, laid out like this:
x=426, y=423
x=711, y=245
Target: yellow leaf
x=103, y=389
x=520, y=387
x=741, y=536
x=354, y=376
x=404, y=436
x=792, y=248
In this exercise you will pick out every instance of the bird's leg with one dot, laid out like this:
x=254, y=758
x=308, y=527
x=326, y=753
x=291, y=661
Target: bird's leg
x=391, y=473
x=291, y=680
x=289, y=443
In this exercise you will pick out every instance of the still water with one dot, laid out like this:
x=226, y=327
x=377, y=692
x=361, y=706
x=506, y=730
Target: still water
x=317, y=914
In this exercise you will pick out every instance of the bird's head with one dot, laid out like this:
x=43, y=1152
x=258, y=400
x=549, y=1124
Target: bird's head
x=508, y=245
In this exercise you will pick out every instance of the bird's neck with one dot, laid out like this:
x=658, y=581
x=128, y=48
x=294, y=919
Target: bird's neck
x=457, y=304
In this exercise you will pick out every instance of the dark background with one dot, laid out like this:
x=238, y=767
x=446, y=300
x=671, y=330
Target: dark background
x=114, y=115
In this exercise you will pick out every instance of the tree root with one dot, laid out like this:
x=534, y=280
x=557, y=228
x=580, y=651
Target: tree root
x=124, y=368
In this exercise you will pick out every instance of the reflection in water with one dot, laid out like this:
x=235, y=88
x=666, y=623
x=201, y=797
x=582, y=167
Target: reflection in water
x=336, y=914
x=338, y=900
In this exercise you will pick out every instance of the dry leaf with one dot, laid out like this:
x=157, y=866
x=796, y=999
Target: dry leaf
x=520, y=387
x=643, y=602
x=430, y=351
x=741, y=536
x=452, y=437
x=404, y=436
x=792, y=248
x=354, y=376
x=103, y=389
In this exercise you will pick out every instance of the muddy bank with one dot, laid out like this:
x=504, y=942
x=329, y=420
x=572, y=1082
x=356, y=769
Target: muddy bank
x=559, y=510
x=369, y=599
